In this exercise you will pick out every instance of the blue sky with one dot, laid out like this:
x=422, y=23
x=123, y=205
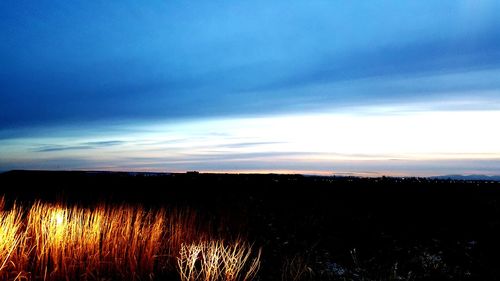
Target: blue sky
x=237, y=86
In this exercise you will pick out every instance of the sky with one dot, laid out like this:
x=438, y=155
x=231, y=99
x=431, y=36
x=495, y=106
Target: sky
x=369, y=88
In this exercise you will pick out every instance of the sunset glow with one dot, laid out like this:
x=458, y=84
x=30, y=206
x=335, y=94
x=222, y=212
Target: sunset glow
x=320, y=143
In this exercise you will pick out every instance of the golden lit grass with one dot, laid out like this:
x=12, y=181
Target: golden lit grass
x=56, y=242
x=216, y=260
x=10, y=238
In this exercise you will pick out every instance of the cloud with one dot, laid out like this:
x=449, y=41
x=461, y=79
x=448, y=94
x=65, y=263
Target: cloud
x=81, y=146
x=52, y=148
x=103, y=143
x=248, y=144
x=280, y=58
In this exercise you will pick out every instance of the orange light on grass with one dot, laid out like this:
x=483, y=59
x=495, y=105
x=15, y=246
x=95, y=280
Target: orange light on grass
x=51, y=243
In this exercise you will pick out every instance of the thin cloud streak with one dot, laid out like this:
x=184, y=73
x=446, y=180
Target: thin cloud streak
x=85, y=145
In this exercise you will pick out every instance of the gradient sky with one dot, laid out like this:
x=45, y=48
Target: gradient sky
x=322, y=87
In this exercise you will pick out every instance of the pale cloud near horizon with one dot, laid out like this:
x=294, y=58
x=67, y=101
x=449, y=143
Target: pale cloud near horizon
x=402, y=141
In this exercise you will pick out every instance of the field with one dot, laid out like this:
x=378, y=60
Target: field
x=123, y=226
x=54, y=242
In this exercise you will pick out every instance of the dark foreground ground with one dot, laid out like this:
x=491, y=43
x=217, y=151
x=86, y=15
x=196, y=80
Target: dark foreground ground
x=314, y=228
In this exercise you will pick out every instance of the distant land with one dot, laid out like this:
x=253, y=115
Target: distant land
x=473, y=177
x=469, y=177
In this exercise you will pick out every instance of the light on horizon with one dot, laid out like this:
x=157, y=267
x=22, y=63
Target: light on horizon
x=303, y=143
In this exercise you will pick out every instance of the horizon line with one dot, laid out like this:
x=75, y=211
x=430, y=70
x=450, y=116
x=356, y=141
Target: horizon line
x=249, y=172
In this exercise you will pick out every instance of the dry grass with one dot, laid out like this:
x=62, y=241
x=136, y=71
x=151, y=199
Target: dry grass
x=296, y=269
x=216, y=260
x=56, y=242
